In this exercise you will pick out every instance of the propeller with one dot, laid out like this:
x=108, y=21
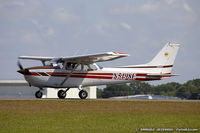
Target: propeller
x=19, y=65
x=22, y=70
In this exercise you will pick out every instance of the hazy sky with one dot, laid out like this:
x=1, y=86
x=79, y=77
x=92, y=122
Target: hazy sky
x=75, y=27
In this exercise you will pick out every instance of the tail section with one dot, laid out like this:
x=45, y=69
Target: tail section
x=164, y=60
x=161, y=64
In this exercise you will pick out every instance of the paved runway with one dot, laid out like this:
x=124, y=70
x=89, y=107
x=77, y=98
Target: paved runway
x=101, y=99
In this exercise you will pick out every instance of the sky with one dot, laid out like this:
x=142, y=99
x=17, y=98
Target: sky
x=68, y=28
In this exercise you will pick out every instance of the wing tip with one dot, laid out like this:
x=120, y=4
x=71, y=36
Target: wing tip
x=119, y=53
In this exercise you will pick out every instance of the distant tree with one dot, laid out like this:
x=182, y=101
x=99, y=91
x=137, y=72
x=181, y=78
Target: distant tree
x=115, y=90
x=99, y=93
x=138, y=87
x=168, y=89
x=193, y=87
x=188, y=90
x=183, y=92
x=194, y=82
x=194, y=92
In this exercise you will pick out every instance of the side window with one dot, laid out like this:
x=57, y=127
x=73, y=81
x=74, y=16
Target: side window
x=68, y=66
x=93, y=67
x=90, y=67
x=85, y=67
x=80, y=67
x=71, y=66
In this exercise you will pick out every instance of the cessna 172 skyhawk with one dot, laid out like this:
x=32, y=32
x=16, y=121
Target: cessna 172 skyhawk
x=80, y=71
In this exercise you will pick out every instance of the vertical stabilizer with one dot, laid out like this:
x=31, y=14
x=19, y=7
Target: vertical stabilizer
x=164, y=60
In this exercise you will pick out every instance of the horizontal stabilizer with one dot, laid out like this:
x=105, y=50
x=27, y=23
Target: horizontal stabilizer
x=160, y=76
x=157, y=75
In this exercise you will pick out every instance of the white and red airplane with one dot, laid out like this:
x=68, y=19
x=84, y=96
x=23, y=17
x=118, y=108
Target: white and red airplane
x=81, y=71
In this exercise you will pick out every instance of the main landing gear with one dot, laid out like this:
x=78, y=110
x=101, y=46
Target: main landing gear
x=62, y=93
x=39, y=94
x=82, y=93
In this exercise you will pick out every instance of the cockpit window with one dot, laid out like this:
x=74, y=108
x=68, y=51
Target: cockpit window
x=80, y=67
x=56, y=66
x=71, y=66
x=93, y=67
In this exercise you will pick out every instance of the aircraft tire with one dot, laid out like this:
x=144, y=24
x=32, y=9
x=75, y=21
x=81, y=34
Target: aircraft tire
x=83, y=94
x=38, y=94
x=61, y=94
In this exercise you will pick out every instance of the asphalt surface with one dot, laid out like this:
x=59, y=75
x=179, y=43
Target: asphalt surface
x=100, y=99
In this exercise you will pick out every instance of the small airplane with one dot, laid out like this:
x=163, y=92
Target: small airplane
x=82, y=71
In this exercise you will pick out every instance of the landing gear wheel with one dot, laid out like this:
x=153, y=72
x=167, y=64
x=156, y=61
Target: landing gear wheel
x=83, y=94
x=38, y=94
x=61, y=94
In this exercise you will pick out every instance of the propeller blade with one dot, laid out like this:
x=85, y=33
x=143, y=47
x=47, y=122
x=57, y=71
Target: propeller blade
x=19, y=65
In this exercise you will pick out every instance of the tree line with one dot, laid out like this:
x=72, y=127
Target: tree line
x=188, y=90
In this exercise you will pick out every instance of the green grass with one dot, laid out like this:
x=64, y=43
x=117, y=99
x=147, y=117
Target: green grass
x=61, y=116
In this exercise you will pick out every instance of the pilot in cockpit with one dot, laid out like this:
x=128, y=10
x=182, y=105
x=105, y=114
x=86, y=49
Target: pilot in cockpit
x=70, y=65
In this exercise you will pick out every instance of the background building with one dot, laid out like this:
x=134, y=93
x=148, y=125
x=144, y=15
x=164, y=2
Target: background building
x=21, y=89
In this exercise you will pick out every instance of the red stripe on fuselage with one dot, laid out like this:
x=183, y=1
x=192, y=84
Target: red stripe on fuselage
x=34, y=74
x=65, y=74
x=74, y=75
x=93, y=77
x=141, y=76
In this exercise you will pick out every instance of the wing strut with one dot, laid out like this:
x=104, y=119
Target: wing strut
x=43, y=63
x=69, y=74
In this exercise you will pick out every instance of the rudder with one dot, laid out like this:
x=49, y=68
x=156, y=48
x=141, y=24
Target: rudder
x=164, y=60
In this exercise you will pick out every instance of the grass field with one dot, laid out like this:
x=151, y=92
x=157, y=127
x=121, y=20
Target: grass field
x=95, y=116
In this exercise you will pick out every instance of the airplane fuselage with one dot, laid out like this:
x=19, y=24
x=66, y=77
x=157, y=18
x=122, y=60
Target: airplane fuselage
x=46, y=76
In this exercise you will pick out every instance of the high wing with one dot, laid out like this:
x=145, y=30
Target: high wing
x=84, y=59
x=88, y=59
x=41, y=58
